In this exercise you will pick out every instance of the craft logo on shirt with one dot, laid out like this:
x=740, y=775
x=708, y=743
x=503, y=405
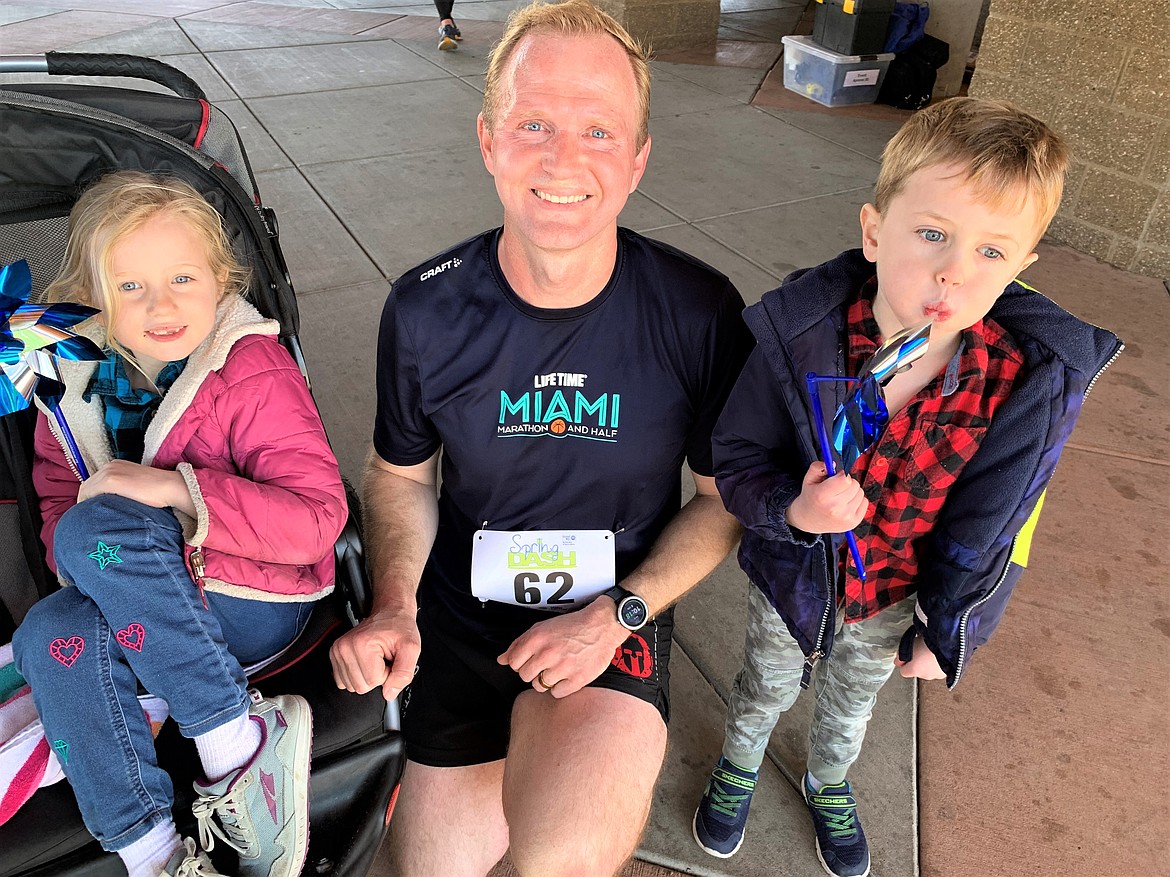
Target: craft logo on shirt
x=439, y=269
x=559, y=406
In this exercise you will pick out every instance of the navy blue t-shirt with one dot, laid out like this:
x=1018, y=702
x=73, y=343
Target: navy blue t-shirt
x=553, y=418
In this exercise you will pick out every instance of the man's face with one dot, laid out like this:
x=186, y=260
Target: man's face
x=564, y=152
x=944, y=254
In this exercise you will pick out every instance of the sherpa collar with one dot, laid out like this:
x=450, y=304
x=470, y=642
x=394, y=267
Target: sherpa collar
x=235, y=318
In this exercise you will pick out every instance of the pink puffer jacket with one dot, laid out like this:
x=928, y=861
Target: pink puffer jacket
x=240, y=426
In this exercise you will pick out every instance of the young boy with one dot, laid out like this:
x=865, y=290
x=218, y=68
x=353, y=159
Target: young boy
x=944, y=503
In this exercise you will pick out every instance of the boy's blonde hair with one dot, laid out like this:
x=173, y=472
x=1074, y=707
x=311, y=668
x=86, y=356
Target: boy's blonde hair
x=118, y=205
x=572, y=18
x=1007, y=153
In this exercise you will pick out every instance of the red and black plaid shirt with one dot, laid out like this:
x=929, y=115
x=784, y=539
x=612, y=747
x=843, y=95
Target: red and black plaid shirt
x=907, y=472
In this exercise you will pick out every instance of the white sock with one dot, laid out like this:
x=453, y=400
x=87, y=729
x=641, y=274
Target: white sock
x=228, y=747
x=148, y=855
x=813, y=783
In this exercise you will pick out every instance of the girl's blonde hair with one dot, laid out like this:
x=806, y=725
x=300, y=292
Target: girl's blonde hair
x=118, y=205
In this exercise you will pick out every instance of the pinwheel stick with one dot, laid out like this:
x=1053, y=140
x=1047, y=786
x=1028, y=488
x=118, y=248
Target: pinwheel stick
x=827, y=451
x=67, y=434
x=32, y=338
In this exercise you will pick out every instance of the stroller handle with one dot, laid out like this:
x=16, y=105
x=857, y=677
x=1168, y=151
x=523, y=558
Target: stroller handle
x=95, y=64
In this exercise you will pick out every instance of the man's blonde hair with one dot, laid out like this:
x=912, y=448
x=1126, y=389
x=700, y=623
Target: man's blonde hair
x=118, y=205
x=571, y=18
x=1006, y=152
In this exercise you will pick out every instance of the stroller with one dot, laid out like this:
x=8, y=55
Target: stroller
x=55, y=140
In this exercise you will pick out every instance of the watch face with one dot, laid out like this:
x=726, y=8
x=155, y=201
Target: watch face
x=632, y=612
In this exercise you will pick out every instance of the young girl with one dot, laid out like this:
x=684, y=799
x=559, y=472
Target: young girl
x=199, y=542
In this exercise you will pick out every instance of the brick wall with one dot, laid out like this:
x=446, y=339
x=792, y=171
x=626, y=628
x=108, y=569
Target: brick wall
x=1097, y=71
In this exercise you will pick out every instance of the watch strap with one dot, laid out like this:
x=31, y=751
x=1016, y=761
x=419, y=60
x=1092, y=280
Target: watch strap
x=617, y=593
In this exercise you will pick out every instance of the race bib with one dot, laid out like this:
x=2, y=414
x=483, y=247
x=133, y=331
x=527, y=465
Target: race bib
x=554, y=570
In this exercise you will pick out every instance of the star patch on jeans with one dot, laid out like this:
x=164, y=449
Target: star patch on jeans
x=106, y=554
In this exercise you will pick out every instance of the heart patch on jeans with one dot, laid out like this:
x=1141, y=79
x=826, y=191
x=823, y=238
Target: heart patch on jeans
x=132, y=636
x=67, y=650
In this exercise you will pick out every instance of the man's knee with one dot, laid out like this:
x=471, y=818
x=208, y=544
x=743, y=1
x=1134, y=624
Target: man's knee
x=579, y=811
x=582, y=853
x=431, y=801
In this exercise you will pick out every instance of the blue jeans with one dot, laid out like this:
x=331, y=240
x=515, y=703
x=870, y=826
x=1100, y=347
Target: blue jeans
x=135, y=615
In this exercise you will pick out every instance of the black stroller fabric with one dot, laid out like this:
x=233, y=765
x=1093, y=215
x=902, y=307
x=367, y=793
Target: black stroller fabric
x=55, y=141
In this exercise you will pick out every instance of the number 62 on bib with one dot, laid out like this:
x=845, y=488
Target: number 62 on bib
x=554, y=570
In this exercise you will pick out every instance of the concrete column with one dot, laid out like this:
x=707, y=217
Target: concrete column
x=667, y=24
x=955, y=22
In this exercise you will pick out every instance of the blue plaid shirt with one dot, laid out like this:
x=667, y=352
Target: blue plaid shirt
x=128, y=411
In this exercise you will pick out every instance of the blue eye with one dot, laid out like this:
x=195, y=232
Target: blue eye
x=932, y=235
x=598, y=134
x=533, y=126
x=183, y=278
x=991, y=253
x=128, y=286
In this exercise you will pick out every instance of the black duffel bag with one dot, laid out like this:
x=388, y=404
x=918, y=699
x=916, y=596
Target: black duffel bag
x=909, y=81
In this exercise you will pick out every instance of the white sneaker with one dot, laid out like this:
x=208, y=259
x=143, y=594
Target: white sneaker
x=262, y=810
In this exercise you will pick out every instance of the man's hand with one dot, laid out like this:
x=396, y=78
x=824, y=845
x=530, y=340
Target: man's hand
x=565, y=653
x=382, y=650
x=161, y=488
x=827, y=505
x=923, y=665
x=402, y=514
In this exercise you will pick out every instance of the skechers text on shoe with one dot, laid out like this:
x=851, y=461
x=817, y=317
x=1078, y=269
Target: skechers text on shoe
x=841, y=844
x=262, y=810
x=722, y=813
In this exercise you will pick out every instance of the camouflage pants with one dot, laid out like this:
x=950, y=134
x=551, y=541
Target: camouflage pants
x=845, y=686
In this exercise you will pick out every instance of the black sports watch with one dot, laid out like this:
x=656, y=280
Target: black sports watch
x=632, y=611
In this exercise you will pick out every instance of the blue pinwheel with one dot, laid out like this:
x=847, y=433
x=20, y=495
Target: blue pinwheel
x=32, y=338
x=863, y=415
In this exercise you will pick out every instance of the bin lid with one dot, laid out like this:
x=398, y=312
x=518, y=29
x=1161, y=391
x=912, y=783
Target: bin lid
x=807, y=44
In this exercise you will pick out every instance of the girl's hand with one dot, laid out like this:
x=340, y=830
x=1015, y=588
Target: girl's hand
x=161, y=488
x=827, y=505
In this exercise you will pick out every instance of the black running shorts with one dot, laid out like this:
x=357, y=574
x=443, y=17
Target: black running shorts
x=457, y=711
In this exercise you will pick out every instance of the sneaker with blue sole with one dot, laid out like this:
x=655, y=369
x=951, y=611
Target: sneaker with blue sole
x=841, y=844
x=262, y=810
x=718, y=826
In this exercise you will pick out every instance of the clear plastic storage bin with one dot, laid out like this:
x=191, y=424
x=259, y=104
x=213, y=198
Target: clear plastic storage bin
x=829, y=78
